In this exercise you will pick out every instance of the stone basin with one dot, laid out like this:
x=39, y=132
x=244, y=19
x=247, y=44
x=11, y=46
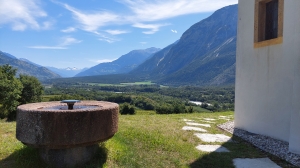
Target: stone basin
x=66, y=137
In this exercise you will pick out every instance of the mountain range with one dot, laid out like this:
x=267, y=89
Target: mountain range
x=63, y=72
x=204, y=55
x=66, y=72
x=124, y=64
x=26, y=67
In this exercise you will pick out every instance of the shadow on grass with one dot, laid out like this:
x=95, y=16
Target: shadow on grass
x=238, y=148
x=215, y=159
x=28, y=157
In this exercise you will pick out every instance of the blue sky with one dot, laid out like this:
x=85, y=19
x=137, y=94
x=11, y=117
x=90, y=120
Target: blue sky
x=84, y=33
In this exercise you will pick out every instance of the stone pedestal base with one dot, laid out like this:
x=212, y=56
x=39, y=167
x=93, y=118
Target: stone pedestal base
x=68, y=157
x=60, y=134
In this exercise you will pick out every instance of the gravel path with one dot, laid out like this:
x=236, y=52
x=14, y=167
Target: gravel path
x=276, y=147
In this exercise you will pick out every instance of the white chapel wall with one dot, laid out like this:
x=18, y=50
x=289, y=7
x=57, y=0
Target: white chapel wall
x=263, y=93
x=292, y=49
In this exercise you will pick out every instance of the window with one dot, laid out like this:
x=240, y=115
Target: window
x=268, y=28
x=271, y=24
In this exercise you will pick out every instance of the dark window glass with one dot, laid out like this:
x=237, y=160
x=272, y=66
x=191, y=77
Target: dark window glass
x=271, y=27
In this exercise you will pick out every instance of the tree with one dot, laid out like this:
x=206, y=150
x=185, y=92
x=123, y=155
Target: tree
x=204, y=105
x=32, y=89
x=190, y=109
x=131, y=111
x=127, y=109
x=124, y=109
x=178, y=107
x=164, y=109
x=10, y=92
x=66, y=97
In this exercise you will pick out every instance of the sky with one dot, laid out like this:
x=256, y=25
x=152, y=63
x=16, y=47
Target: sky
x=84, y=33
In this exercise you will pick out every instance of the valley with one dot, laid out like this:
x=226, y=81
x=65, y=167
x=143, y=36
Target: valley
x=147, y=95
x=169, y=100
x=203, y=56
x=200, y=66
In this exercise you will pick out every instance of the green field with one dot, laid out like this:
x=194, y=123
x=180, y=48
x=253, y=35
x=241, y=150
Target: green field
x=143, y=140
x=124, y=84
x=103, y=84
x=139, y=83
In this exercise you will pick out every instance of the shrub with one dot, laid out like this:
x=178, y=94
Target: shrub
x=164, y=109
x=172, y=108
x=119, y=99
x=190, y=109
x=127, y=109
x=143, y=103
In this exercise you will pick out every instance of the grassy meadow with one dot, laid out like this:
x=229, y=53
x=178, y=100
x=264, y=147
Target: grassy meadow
x=122, y=84
x=143, y=140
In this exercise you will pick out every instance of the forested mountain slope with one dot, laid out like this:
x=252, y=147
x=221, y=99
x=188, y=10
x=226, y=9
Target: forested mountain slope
x=25, y=67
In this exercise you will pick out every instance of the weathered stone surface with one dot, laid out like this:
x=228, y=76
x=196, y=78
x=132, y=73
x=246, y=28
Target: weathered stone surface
x=188, y=128
x=257, y=163
x=56, y=129
x=212, y=148
x=213, y=137
x=66, y=138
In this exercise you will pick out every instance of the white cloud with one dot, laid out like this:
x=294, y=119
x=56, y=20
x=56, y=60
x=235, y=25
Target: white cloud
x=69, y=30
x=116, y=32
x=109, y=40
x=19, y=26
x=65, y=41
x=153, y=27
x=47, y=25
x=92, y=21
x=154, y=10
x=23, y=14
x=102, y=60
x=174, y=31
x=143, y=43
x=150, y=32
x=48, y=47
x=141, y=11
x=105, y=38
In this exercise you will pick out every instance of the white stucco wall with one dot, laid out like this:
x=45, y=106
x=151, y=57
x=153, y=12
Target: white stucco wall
x=292, y=48
x=267, y=97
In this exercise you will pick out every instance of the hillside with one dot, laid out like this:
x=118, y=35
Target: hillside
x=122, y=65
x=152, y=63
x=204, y=55
x=25, y=67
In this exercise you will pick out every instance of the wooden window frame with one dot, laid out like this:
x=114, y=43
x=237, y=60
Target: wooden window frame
x=259, y=24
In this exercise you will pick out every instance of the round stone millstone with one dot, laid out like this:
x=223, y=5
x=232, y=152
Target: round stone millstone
x=51, y=126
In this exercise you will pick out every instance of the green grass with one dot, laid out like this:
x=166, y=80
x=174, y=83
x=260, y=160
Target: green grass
x=139, y=83
x=145, y=112
x=199, y=109
x=124, y=84
x=104, y=84
x=143, y=140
